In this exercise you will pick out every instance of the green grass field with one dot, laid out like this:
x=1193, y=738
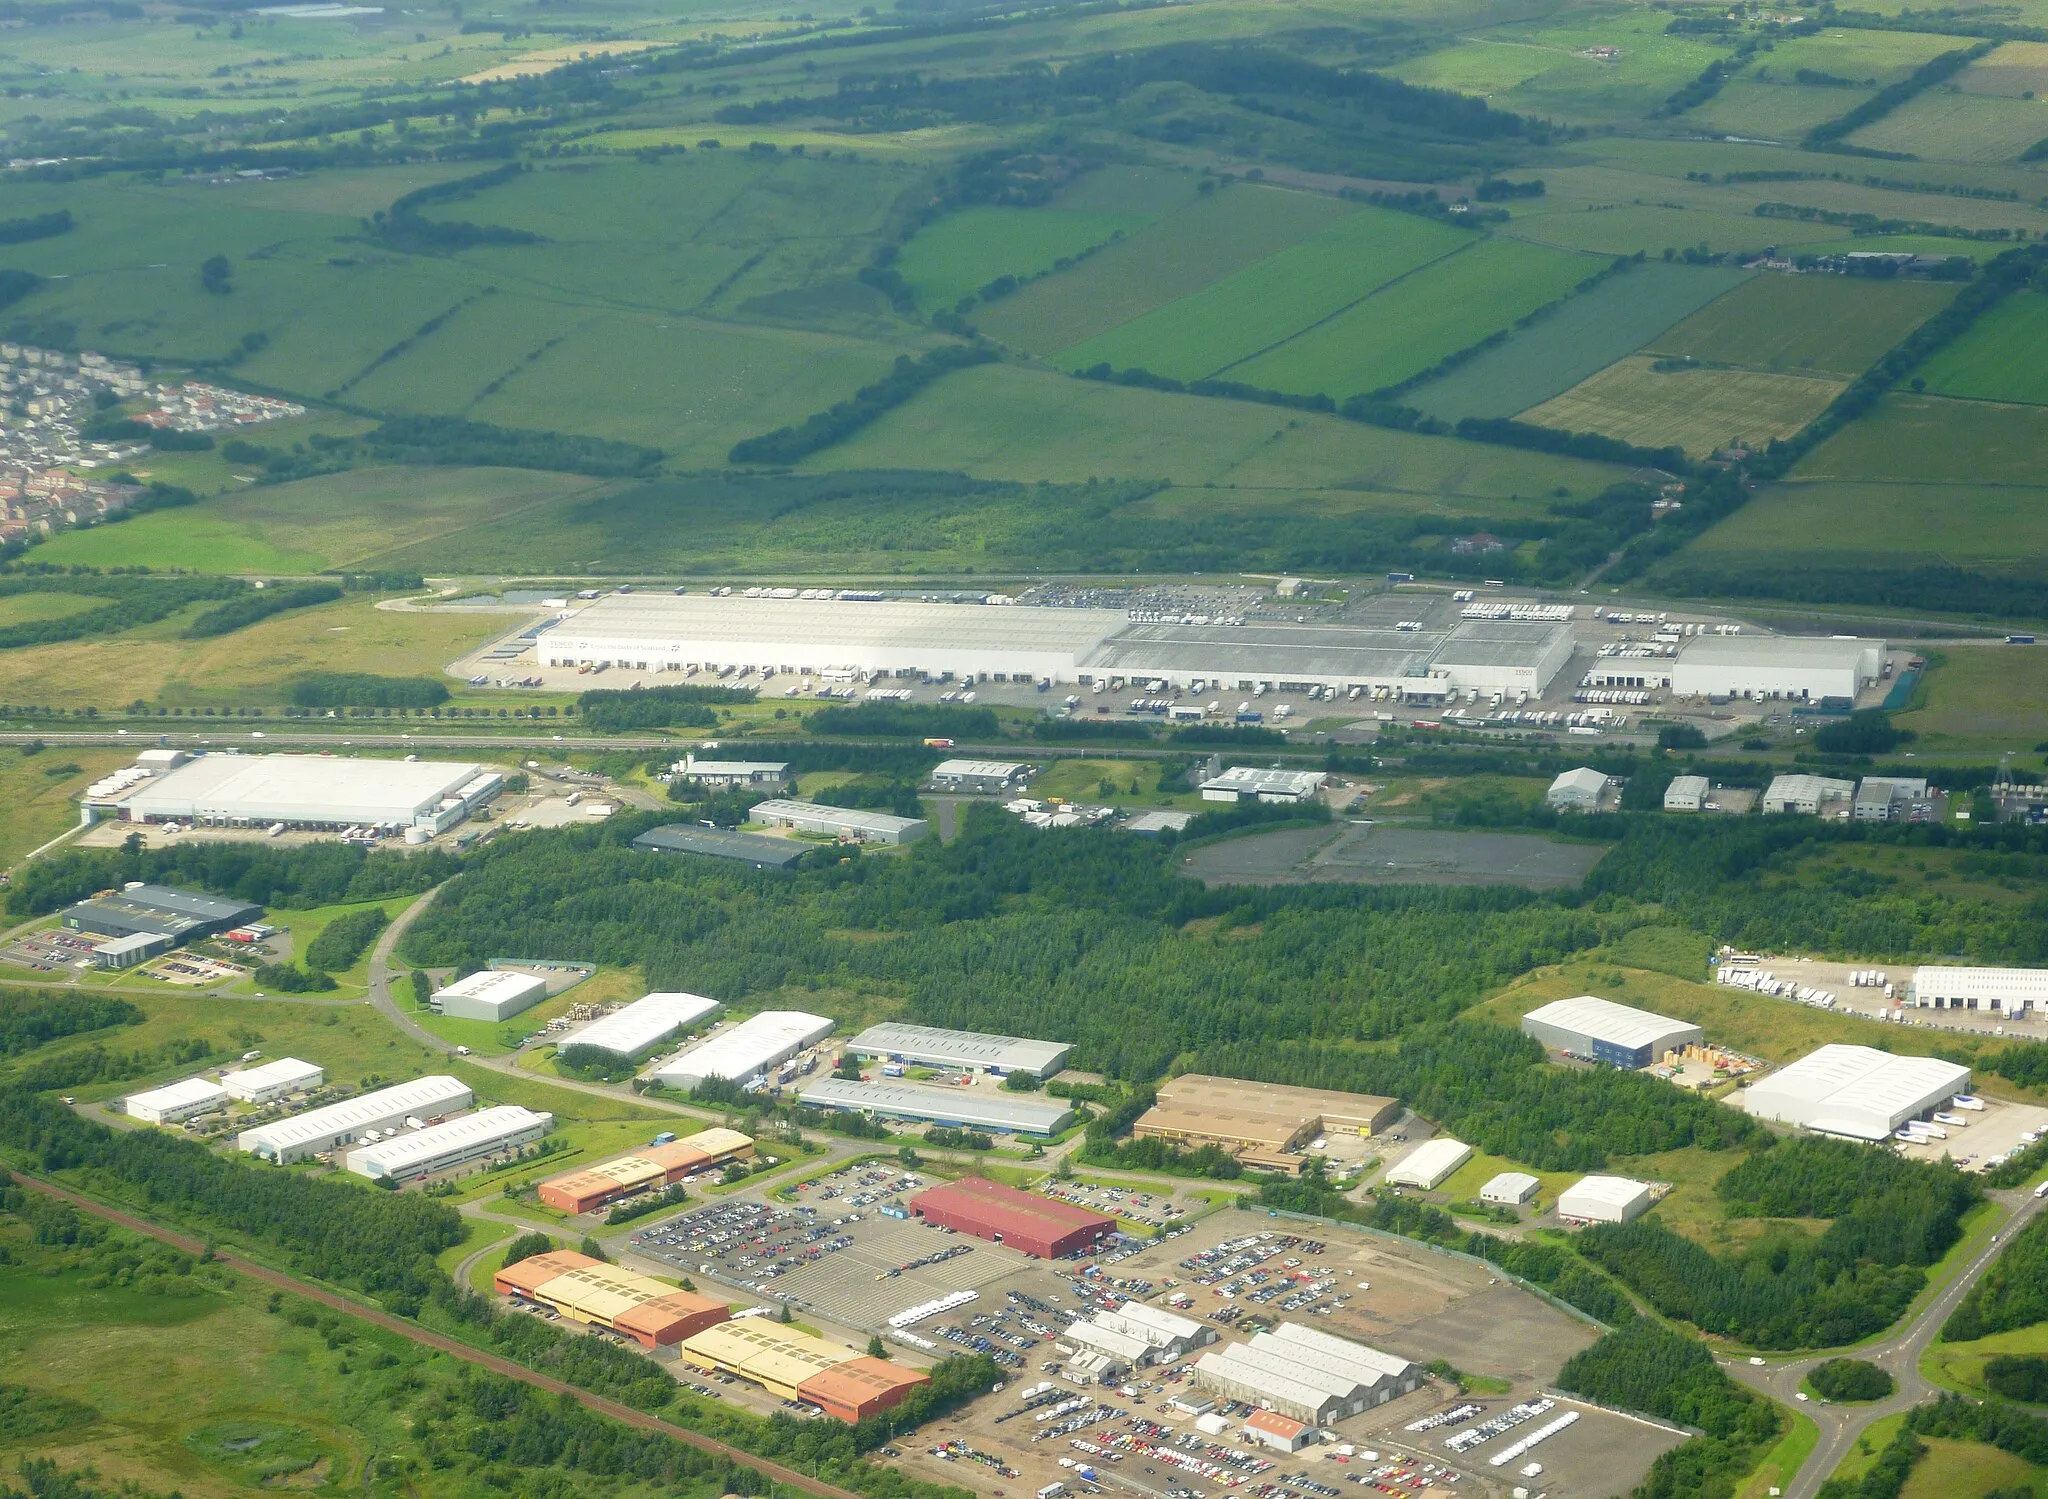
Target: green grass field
x=1699, y=410
x=1623, y=228
x=1871, y=523
x=1983, y=699
x=1412, y=324
x=1776, y=108
x=39, y=793
x=1969, y=1470
x=1958, y=126
x=1266, y=304
x=1551, y=69
x=1211, y=238
x=2015, y=71
x=1872, y=58
x=1923, y=439
x=965, y=251
x=2003, y=357
x=1581, y=338
x=1804, y=324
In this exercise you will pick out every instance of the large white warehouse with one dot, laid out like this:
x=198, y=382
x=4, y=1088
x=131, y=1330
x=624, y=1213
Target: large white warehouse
x=312, y=791
x=1788, y=666
x=490, y=994
x=1603, y=1031
x=2005, y=991
x=1605, y=1199
x=747, y=1051
x=644, y=1024
x=1856, y=1091
x=325, y=1129
x=487, y=1132
x=969, y=1051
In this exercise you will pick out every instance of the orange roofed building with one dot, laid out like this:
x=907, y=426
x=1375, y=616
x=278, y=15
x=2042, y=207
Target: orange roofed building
x=651, y=1312
x=648, y=1170
x=860, y=1388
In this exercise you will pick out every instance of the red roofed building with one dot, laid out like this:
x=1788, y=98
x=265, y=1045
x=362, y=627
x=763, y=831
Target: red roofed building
x=1276, y=1430
x=1023, y=1220
x=860, y=1388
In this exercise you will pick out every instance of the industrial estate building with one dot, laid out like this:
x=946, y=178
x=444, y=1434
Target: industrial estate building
x=1305, y=1375
x=1776, y=666
x=1426, y=1166
x=1888, y=798
x=1600, y=1030
x=715, y=843
x=646, y=1023
x=2002, y=991
x=749, y=1051
x=126, y=952
x=325, y=1129
x=309, y=791
x=856, y=824
x=442, y=1147
x=651, y=1312
x=157, y=910
x=732, y=775
x=1856, y=1091
x=1815, y=796
x=959, y=1108
x=1023, y=1220
x=978, y=777
x=592, y=1187
x=1578, y=790
x=1605, y=1199
x=1243, y=783
x=1262, y=1124
x=797, y=1366
x=273, y=1080
x=1686, y=794
x=964, y=1051
x=490, y=994
x=1155, y=1333
x=1510, y=1188
x=174, y=1103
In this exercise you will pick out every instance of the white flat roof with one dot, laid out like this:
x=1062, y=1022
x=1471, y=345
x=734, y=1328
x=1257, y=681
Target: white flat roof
x=1982, y=983
x=425, y=1095
x=1510, y=1186
x=1775, y=650
x=643, y=1023
x=181, y=1094
x=751, y=1047
x=1616, y=1192
x=853, y=818
x=962, y=1106
x=1429, y=1162
x=1854, y=1090
x=773, y=629
x=1620, y=1025
x=284, y=1072
x=1251, y=778
x=396, y=1157
x=493, y=983
x=959, y=1048
x=300, y=788
x=1000, y=769
x=694, y=766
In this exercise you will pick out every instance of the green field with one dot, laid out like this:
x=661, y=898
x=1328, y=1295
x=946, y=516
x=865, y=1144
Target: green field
x=962, y=253
x=1213, y=237
x=1871, y=58
x=1924, y=439
x=1417, y=321
x=1870, y=522
x=1958, y=126
x=39, y=793
x=1699, y=410
x=1581, y=338
x=2016, y=70
x=1264, y=305
x=1776, y=108
x=1969, y=1470
x=1821, y=324
x=1986, y=698
x=1547, y=67
x=2003, y=357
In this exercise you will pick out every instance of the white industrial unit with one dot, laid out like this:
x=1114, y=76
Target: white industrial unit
x=1095, y=1336
x=1603, y=1031
x=314, y=791
x=1855, y=1091
x=174, y=1103
x=727, y=775
x=487, y=1132
x=491, y=994
x=1686, y=794
x=1804, y=667
x=1169, y=1332
x=644, y=1024
x=960, y=1108
x=1882, y=798
x=337, y=1124
x=1306, y=1375
x=1604, y=1199
x=1510, y=657
x=2004, y=991
x=969, y=1051
x=1577, y=790
x=1243, y=783
x=748, y=1050
x=1814, y=796
x=1510, y=1188
x=979, y=777
x=857, y=823
x=273, y=1080
x=1429, y=1163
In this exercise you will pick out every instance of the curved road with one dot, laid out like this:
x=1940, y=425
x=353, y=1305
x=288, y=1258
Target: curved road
x=1899, y=1355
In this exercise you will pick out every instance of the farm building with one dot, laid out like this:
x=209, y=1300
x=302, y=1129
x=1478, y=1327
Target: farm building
x=964, y=1051
x=1814, y=796
x=1603, y=1031
x=2003, y=991
x=969, y=1108
x=1259, y=1123
x=747, y=848
x=748, y=1051
x=440, y=1147
x=157, y=910
x=589, y=1188
x=490, y=994
x=174, y=1103
x=643, y=1025
x=732, y=775
x=855, y=823
x=1686, y=794
x=324, y=1129
x=1604, y=1199
x=651, y=1312
x=273, y=1080
x=1429, y=1163
x=1510, y=1189
x=1784, y=666
x=1578, y=790
x=1245, y=783
x=979, y=777
x=1023, y=1220
x=313, y=791
x=1305, y=1375
x=1855, y=1091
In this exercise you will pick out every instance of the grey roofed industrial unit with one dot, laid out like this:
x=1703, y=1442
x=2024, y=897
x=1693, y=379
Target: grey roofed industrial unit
x=179, y=914
x=934, y=1046
x=1266, y=652
x=1565, y=1023
x=748, y=848
x=978, y=1108
x=863, y=823
x=318, y=789
x=1503, y=642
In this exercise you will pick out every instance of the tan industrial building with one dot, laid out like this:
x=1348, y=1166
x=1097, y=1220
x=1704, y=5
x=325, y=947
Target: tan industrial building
x=651, y=1312
x=1262, y=1124
x=797, y=1366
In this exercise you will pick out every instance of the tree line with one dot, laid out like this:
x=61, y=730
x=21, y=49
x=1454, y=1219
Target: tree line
x=317, y=874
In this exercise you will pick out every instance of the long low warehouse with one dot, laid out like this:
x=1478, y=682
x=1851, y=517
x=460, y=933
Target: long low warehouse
x=747, y=1052
x=1804, y=667
x=273, y=1080
x=649, y=1170
x=1600, y=1030
x=651, y=1312
x=325, y=1129
x=490, y=994
x=174, y=1103
x=968, y=1051
x=859, y=824
x=442, y=1147
x=1307, y=1375
x=313, y=791
x=958, y=1108
x=796, y=1366
x=642, y=1025
x=1855, y=1091
x=1023, y=1220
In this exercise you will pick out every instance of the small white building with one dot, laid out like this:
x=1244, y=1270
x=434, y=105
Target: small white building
x=979, y=777
x=1686, y=794
x=856, y=824
x=1883, y=798
x=441, y=1147
x=1578, y=790
x=1170, y=1334
x=174, y=1103
x=728, y=775
x=492, y=994
x=1510, y=1189
x=1243, y=783
x=643, y=1025
x=1604, y=1199
x=1429, y=1163
x=1813, y=796
x=273, y=1080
